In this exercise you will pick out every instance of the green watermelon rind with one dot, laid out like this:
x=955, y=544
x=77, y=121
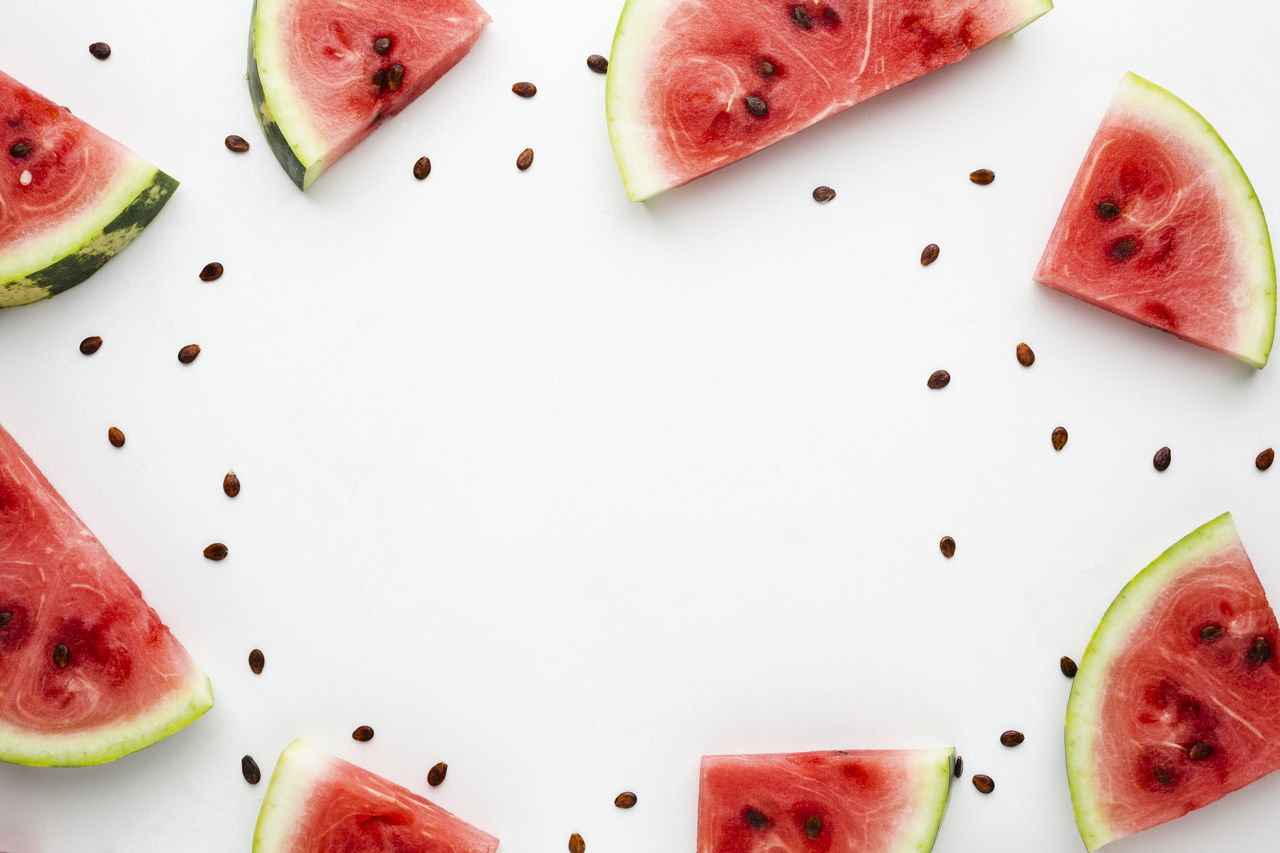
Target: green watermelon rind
x=287, y=793
x=933, y=791
x=64, y=259
x=1111, y=636
x=281, y=116
x=643, y=176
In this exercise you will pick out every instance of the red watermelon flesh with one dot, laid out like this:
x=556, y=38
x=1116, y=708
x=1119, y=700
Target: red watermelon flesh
x=842, y=801
x=1163, y=227
x=120, y=680
x=1177, y=699
x=318, y=803
x=681, y=71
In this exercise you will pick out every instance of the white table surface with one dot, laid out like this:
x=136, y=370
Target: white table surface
x=567, y=491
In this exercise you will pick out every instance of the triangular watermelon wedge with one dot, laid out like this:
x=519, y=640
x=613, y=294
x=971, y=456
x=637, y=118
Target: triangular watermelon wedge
x=1177, y=699
x=1163, y=227
x=324, y=74
x=88, y=672
x=317, y=801
x=838, y=801
x=695, y=85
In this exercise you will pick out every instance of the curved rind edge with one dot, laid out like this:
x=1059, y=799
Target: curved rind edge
x=276, y=141
x=940, y=778
x=1082, y=711
x=283, y=801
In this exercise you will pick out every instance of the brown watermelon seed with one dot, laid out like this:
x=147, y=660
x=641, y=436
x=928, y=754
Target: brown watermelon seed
x=1259, y=652
x=939, y=379
x=6, y=616
x=525, y=160
x=381, y=45
x=364, y=734
x=958, y=770
x=422, y=168
x=437, y=773
x=231, y=484
x=576, y=844
x=1068, y=666
x=216, y=552
x=982, y=177
x=379, y=79
x=1211, y=633
x=1265, y=458
x=1026, y=356
x=238, y=144
x=188, y=354
x=948, y=547
x=812, y=826
x=61, y=655
x=1199, y=751
x=625, y=800
x=1163, y=775
x=90, y=345
x=257, y=660
x=1012, y=738
x=212, y=271
x=100, y=50
x=823, y=194
x=756, y=105
x=598, y=63
x=249, y=768
x=756, y=818
x=1058, y=437
x=524, y=89
x=983, y=783
x=1123, y=249
x=765, y=68
x=1108, y=210
x=116, y=436
x=929, y=254
x=395, y=76
x=20, y=149
x=1162, y=458
x=801, y=18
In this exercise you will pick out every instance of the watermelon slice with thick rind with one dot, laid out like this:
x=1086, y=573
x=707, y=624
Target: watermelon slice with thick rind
x=88, y=672
x=695, y=85
x=318, y=83
x=318, y=803
x=1177, y=699
x=1163, y=227
x=839, y=801
x=71, y=197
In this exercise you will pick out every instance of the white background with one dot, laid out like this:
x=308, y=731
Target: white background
x=567, y=491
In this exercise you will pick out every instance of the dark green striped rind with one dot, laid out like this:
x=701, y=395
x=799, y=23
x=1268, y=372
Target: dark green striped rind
x=280, y=146
x=97, y=248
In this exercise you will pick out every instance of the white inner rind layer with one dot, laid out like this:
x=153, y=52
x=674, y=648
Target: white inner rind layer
x=280, y=103
x=107, y=743
x=1166, y=115
x=43, y=249
x=296, y=773
x=931, y=787
x=1114, y=634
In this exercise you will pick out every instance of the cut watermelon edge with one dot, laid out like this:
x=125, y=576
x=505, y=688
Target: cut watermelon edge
x=283, y=121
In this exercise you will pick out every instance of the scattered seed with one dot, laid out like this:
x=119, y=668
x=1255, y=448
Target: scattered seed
x=1026, y=356
x=929, y=254
x=1199, y=751
x=379, y=79
x=238, y=144
x=982, y=177
x=1162, y=458
x=765, y=68
x=1259, y=652
x=625, y=800
x=1012, y=738
x=395, y=76
x=756, y=105
x=61, y=655
x=381, y=45
x=231, y=484
x=597, y=63
x=257, y=661
x=1124, y=248
x=1265, y=458
x=90, y=345
x=422, y=168
x=116, y=436
x=212, y=271
x=364, y=734
x=524, y=89
x=6, y=616
x=812, y=826
x=100, y=49
x=217, y=551
x=1068, y=666
x=1108, y=210
x=20, y=149
x=983, y=783
x=1059, y=437
x=437, y=773
x=249, y=768
x=525, y=160
x=756, y=818
x=958, y=769
x=188, y=354
x=823, y=194
x=801, y=18
x=576, y=844
x=948, y=547
x=1211, y=633
x=939, y=379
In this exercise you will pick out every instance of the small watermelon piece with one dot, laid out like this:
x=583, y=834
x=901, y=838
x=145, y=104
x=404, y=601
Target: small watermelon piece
x=88, y=672
x=1176, y=702
x=1163, y=227
x=317, y=803
x=695, y=85
x=71, y=197
x=318, y=83
x=844, y=801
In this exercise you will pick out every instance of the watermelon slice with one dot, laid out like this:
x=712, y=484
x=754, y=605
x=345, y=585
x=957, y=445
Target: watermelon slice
x=88, y=672
x=1163, y=227
x=323, y=73
x=698, y=84
x=318, y=803
x=1177, y=699
x=860, y=801
x=71, y=197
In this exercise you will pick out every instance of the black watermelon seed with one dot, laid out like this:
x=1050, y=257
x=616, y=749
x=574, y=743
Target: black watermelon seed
x=524, y=89
x=216, y=552
x=625, y=800
x=1163, y=775
x=756, y=105
x=395, y=76
x=939, y=379
x=1264, y=459
x=100, y=49
x=1108, y=210
x=249, y=768
x=765, y=68
x=1199, y=751
x=364, y=734
x=947, y=546
x=984, y=783
x=257, y=660
x=238, y=144
x=812, y=826
x=597, y=63
x=379, y=79
x=929, y=254
x=756, y=818
x=1162, y=458
x=801, y=18
x=422, y=168
x=212, y=271
x=1211, y=633
x=1124, y=248
x=6, y=616
x=525, y=160
x=91, y=344
x=437, y=773
x=823, y=194
x=982, y=177
x=381, y=45
x=1068, y=666
x=1259, y=652
x=1012, y=738
x=958, y=770
x=20, y=149
x=61, y=655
